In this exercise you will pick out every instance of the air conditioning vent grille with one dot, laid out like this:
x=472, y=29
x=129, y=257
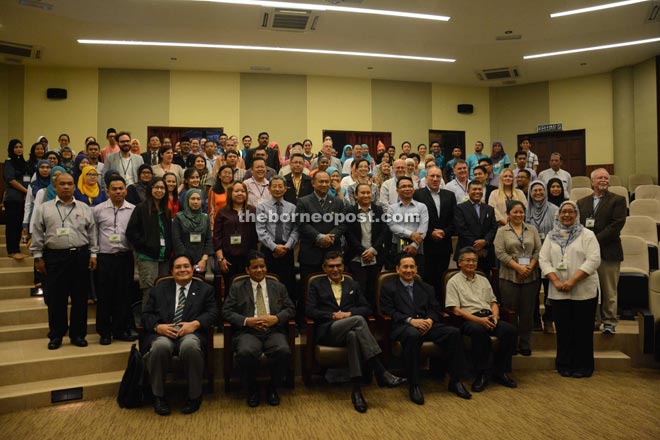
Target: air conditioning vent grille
x=291, y=20
x=19, y=50
x=499, y=73
x=296, y=22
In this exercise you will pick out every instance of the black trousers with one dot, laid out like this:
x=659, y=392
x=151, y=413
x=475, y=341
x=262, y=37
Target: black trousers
x=448, y=338
x=237, y=265
x=114, y=289
x=366, y=277
x=547, y=316
x=574, y=321
x=14, y=226
x=482, y=346
x=283, y=268
x=435, y=266
x=67, y=275
x=250, y=345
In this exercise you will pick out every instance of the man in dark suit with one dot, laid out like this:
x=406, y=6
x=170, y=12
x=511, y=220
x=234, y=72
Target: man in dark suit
x=259, y=309
x=440, y=204
x=339, y=310
x=476, y=226
x=481, y=175
x=414, y=311
x=272, y=160
x=605, y=214
x=175, y=320
x=320, y=225
x=366, y=253
x=150, y=157
x=298, y=184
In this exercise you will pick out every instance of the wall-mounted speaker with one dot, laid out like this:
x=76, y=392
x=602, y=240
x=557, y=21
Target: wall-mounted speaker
x=56, y=93
x=465, y=109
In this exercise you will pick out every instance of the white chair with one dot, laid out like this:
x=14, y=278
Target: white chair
x=650, y=325
x=621, y=191
x=635, y=180
x=644, y=227
x=581, y=182
x=632, y=291
x=647, y=192
x=649, y=207
x=578, y=193
x=615, y=180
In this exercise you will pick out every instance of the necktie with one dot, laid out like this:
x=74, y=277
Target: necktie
x=410, y=292
x=477, y=208
x=322, y=202
x=180, y=305
x=154, y=159
x=279, y=226
x=261, y=303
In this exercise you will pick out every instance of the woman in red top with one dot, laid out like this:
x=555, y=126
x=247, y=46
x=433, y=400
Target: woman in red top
x=217, y=195
x=172, y=192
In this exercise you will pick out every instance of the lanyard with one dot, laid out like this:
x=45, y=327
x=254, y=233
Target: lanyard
x=597, y=201
x=563, y=248
x=116, y=212
x=128, y=166
x=521, y=237
x=67, y=215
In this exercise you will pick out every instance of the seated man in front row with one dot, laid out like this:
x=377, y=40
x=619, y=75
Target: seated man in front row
x=175, y=320
x=259, y=309
x=470, y=296
x=414, y=311
x=339, y=309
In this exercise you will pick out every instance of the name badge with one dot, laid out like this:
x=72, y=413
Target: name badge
x=524, y=261
x=26, y=179
x=235, y=239
x=115, y=238
x=590, y=223
x=195, y=238
x=62, y=232
x=162, y=242
x=562, y=266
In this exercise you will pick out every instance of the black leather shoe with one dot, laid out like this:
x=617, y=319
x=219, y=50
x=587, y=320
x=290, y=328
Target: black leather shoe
x=389, y=380
x=359, y=403
x=105, y=340
x=272, y=397
x=161, y=407
x=525, y=352
x=79, y=341
x=480, y=383
x=506, y=380
x=416, y=394
x=459, y=389
x=253, y=398
x=125, y=337
x=565, y=373
x=55, y=343
x=580, y=374
x=191, y=405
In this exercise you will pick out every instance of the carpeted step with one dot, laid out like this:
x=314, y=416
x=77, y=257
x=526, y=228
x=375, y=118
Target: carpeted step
x=34, y=331
x=11, y=276
x=15, y=291
x=3, y=250
x=6, y=262
x=29, y=310
x=545, y=360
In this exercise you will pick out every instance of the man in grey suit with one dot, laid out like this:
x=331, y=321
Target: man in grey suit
x=125, y=162
x=175, y=321
x=259, y=309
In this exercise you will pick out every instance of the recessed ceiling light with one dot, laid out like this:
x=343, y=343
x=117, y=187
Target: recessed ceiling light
x=596, y=8
x=587, y=49
x=316, y=7
x=264, y=48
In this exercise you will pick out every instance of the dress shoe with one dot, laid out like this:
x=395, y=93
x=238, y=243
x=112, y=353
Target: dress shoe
x=416, y=395
x=359, y=403
x=480, y=383
x=580, y=374
x=161, y=407
x=105, y=340
x=18, y=256
x=253, y=398
x=459, y=389
x=55, y=343
x=389, y=380
x=79, y=341
x=565, y=373
x=272, y=397
x=191, y=405
x=506, y=380
x=525, y=351
x=125, y=337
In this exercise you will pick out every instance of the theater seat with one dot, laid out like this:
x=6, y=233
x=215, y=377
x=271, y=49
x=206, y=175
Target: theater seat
x=581, y=182
x=644, y=227
x=633, y=284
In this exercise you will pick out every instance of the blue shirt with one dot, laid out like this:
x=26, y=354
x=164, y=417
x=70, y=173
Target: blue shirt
x=406, y=219
x=266, y=226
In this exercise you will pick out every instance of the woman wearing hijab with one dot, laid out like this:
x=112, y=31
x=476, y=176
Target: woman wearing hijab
x=570, y=258
x=335, y=183
x=41, y=181
x=346, y=153
x=17, y=177
x=191, y=230
x=88, y=190
x=66, y=160
x=368, y=157
x=80, y=162
x=556, y=194
x=137, y=192
x=541, y=214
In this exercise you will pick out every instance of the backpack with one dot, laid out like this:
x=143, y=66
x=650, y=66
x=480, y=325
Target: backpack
x=131, y=391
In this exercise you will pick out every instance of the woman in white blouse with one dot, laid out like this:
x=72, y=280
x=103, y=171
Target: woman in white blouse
x=569, y=258
x=506, y=192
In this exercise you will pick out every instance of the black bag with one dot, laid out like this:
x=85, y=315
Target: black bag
x=131, y=391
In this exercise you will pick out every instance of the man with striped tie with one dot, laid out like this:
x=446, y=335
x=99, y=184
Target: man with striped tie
x=175, y=321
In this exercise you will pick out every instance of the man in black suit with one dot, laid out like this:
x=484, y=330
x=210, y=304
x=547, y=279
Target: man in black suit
x=481, y=175
x=150, y=157
x=414, y=311
x=298, y=184
x=320, y=224
x=175, y=320
x=272, y=160
x=339, y=310
x=367, y=239
x=259, y=309
x=476, y=227
x=440, y=204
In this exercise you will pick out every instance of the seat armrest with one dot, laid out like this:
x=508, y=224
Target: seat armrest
x=509, y=315
x=646, y=323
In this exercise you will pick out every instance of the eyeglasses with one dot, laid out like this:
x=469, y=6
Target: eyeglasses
x=92, y=175
x=158, y=188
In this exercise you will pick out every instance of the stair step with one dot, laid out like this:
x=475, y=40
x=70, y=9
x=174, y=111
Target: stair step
x=15, y=291
x=31, y=361
x=29, y=310
x=6, y=262
x=21, y=332
x=38, y=394
x=3, y=250
x=609, y=360
x=17, y=275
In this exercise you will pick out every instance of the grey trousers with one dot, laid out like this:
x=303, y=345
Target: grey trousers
x=353, y=333
x=148, y=271
x=608, y=274
x=520, y=297
x=159, y=358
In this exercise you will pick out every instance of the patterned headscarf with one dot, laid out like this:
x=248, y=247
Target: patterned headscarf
x=565, y=235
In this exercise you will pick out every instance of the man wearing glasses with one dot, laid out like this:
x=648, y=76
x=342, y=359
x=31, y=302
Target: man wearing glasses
x=125, y=162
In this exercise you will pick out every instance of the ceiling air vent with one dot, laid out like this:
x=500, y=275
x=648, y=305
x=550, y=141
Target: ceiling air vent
x=499, y=73
x=653, y=16
x=19, y=50
x=290, y=20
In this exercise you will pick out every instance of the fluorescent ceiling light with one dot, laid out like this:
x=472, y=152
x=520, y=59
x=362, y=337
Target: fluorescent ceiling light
x=263, y=48
x=587, y=49
x=596, y=8
x=317, y=7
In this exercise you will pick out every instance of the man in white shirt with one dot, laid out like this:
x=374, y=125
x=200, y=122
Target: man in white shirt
x=521, y=164
x=555, y=171
x=459, y=186
x=257, y=185
x=388, y=193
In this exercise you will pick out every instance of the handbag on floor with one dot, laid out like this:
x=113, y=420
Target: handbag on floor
x=131, y=392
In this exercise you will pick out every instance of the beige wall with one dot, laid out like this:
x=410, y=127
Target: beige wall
x=76, y=115
x=623, y=99
x=646, y=119
x=132, y=100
